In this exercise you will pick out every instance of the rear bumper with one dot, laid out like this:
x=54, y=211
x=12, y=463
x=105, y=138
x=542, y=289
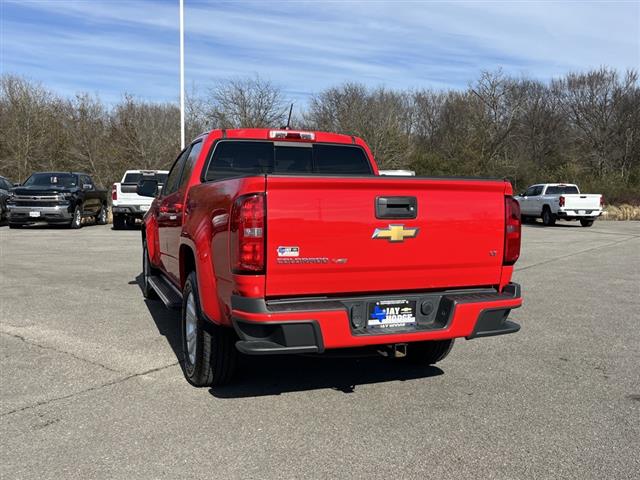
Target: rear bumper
x=569, y=214
x=316, y=325
x=131, y=210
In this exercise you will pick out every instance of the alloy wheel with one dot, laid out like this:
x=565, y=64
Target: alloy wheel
x=191, y=328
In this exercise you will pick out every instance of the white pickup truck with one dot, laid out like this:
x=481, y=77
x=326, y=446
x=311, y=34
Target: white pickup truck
x=559, y=201
x=128, y=207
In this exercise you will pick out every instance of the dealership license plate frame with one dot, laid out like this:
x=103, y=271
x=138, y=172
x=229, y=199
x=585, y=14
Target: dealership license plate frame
x=398, y=313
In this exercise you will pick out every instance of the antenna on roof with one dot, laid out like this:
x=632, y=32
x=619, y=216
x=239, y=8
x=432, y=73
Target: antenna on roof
x=289, y=119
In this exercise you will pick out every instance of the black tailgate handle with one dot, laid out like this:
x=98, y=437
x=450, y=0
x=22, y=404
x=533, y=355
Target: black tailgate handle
x=396, y=207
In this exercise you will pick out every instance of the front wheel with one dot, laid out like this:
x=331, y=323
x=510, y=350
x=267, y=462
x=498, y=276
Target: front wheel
x=76, y=220
x=430, y=352
x=209, y=353
x=586, y=223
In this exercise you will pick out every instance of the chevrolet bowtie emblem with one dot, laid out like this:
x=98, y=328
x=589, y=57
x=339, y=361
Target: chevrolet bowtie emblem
x=395, y=233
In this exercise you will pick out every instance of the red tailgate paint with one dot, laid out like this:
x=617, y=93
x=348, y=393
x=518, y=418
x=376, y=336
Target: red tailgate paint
x=459, y=242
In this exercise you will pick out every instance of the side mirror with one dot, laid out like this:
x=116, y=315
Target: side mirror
x=147, y=188
x=87, y=186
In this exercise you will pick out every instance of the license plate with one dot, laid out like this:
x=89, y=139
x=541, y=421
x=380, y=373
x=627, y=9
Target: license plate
x=144, y=208
x=34, y=214
x=391, y=313
x=582, y=212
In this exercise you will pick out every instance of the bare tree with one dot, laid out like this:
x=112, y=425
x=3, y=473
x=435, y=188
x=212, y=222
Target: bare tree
x=583, y=127
x=145, y=134
x=28, y=113
x=246, y=103
x=381, y=117
x=601, y=107
x=87, y=126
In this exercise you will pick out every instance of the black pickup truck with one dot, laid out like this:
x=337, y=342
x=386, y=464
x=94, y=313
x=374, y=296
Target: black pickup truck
x=57, y=198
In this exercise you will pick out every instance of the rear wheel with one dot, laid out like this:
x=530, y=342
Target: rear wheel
x=14, y=225
x=430, y=352
x=209, y=353
x=101, y=218
x=548, y=218
x=147, y=272
x=586, y=223
x=118, y=221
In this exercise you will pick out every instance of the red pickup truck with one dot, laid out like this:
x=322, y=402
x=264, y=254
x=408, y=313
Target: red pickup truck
x=281, y=241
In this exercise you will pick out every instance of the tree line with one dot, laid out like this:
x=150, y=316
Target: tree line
x=581, y=128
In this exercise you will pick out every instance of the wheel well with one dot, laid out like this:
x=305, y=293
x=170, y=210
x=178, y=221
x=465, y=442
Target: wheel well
x=547, y=207
x=187, y=263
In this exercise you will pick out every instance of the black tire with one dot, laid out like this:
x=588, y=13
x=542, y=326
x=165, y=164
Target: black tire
x=118, y=221
x=101, y=217
x=429, y=353
x=548, y=218
x=147, y=271
x=214, y=359
x=76, y=220
x=14, y=225
x=586, y=223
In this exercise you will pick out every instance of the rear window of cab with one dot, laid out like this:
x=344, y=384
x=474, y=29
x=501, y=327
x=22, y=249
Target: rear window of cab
x=233, y=158
x=561, y=190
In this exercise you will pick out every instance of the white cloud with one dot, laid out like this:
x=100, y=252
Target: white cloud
x=307, y=46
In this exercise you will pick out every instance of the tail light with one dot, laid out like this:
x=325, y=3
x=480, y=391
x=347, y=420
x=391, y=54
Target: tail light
x=601, y=201
x=248, y=234
x=114, y=192
x=512, y=233
x=291, y=135
x=561, y=201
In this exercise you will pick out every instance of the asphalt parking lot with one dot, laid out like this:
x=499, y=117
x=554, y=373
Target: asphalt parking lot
x=91, y=386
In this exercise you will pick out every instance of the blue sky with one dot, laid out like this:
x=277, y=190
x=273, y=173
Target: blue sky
x=110, y=47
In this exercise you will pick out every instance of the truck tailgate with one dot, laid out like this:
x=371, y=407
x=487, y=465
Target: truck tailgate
x=581, y=202
x=127, y=195
x=320, y=229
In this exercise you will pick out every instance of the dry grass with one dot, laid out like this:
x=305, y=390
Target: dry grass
x=621, y=212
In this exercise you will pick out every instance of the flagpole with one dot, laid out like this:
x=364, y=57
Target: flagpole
x=182, y=74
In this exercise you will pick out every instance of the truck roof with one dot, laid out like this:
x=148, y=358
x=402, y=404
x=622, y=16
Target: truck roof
x=556, y=184
x=61, y=173
x=265, y=134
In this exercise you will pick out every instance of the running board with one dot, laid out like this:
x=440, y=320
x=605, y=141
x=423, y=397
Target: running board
x=166, y=292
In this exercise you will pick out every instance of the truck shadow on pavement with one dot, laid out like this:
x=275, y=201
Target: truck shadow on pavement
x=167, y=321
x=273, y=375
x=556, y=225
